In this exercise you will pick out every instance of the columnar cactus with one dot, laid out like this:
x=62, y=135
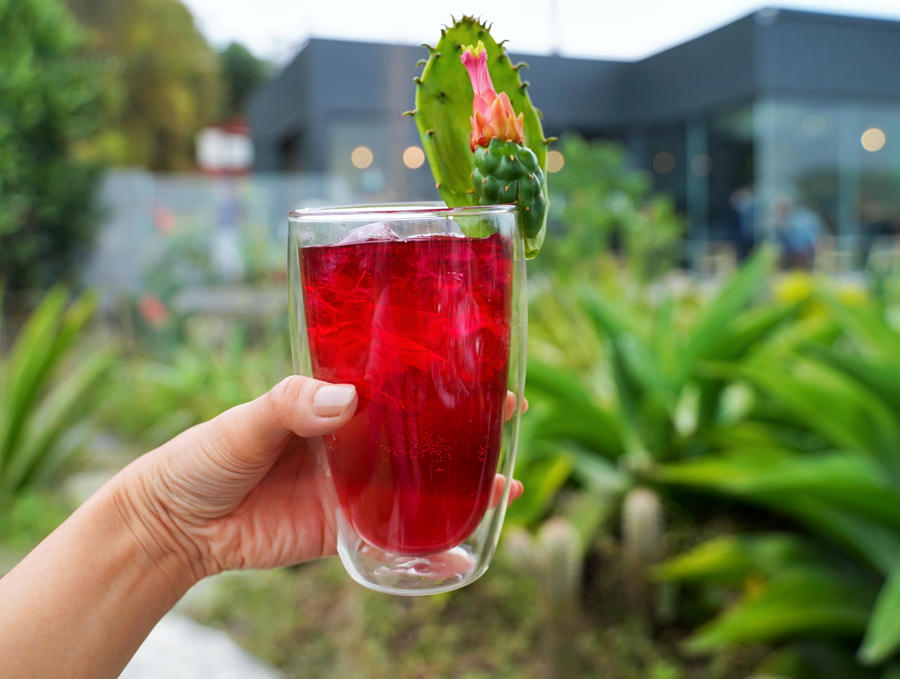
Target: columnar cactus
x=479, y=149
x=642, y=542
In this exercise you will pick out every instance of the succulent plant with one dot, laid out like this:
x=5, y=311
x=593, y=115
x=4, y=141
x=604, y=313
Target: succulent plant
x=479, y=150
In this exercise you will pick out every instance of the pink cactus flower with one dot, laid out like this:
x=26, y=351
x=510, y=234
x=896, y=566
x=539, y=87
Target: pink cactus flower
x=492, y=113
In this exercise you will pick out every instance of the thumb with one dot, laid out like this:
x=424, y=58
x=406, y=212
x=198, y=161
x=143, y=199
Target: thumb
x=252, y=433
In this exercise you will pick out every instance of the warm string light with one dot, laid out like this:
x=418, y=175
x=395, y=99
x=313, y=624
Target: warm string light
x=361, y=157
x=413, y=157
x=873, y=139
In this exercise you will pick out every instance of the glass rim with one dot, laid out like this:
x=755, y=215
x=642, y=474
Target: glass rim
x=393, y=211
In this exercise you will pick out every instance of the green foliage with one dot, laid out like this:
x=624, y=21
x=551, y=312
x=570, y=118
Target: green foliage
x=45, y=398
x=599, y=201
x=883, y=633
x=841, y=488
x=242, y=73
x=166, y=84
x=657, y=401
x=49, y=102
x=444, y=106
x=192, y=383
x=789, y=407
x=31, y=517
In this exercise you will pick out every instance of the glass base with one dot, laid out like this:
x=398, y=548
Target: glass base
x=406, y=575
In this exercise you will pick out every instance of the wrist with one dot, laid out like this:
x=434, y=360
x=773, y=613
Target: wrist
x=146, y=518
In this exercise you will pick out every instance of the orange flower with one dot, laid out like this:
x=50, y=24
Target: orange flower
x=492, y=113
x=153, y=310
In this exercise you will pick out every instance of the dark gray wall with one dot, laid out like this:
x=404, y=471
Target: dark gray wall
x=709, y=72
x=818, y=54
x=768, y=52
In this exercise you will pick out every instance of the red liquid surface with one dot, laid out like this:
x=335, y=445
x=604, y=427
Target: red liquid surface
x=421, y=327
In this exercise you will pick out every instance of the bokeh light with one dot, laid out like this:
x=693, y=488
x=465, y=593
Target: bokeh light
x=873, y=139
x=413, y=157
x=361, y=157
x=663, y=162
x=701, y=165
x=555, y=161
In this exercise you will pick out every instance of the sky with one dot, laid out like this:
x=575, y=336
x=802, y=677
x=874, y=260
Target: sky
x=619, y=29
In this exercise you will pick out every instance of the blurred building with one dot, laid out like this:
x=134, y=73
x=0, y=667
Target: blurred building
x=779, y=110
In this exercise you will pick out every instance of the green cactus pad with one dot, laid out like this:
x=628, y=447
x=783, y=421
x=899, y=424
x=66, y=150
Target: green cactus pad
x=444, y=106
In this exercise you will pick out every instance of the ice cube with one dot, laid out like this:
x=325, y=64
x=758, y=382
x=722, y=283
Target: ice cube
x=376, y=231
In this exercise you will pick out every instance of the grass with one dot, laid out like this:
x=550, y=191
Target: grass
x=312, y=621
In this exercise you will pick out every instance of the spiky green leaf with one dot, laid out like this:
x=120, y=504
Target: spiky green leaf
x=883, y=633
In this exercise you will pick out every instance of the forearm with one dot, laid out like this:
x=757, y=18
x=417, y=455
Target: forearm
x=81, y=603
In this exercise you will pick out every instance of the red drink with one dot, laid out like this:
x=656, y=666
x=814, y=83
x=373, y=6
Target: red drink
x=421, y=327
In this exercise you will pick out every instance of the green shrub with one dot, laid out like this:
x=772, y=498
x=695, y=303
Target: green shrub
x=49, y=102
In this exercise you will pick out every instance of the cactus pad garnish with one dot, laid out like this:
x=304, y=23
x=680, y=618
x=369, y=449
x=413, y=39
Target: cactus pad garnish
x=481, y=135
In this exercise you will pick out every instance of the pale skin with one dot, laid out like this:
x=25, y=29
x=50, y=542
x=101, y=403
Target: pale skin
x=235, y=492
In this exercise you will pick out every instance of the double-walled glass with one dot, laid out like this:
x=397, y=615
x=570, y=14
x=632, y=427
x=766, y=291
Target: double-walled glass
x=429, y=325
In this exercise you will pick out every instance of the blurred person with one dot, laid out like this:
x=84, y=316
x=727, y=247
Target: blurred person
x=743, y=203
x=236, y=492
x=797, y=229
x=225, y=248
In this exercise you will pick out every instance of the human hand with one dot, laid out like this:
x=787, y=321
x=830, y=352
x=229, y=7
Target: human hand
x=239, y=491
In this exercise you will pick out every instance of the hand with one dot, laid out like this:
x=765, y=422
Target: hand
x=239, y=491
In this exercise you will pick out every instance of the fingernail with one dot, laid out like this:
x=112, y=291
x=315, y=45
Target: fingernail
x=333, y=399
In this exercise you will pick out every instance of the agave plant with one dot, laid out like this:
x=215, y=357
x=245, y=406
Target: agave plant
x=646, y=396
x=45, y=395
x=841, y=487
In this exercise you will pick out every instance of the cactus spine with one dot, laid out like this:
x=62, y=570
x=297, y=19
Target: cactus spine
x=443, y=108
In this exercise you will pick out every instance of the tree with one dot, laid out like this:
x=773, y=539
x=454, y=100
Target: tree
x=49, y=102
x=242, y=73
x=167, y=77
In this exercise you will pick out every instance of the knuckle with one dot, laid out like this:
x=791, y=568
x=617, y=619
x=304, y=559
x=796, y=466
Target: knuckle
x=284, y=394
x=288, y=396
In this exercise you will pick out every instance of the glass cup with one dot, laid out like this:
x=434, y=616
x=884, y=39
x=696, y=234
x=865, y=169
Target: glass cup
x=422, y=308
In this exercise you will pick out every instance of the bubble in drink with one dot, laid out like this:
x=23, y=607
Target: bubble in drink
x=422, y=328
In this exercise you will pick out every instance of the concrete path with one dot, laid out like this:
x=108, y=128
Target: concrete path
x=179, y=648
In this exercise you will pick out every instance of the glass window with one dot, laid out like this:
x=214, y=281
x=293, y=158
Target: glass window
x=834, y=162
